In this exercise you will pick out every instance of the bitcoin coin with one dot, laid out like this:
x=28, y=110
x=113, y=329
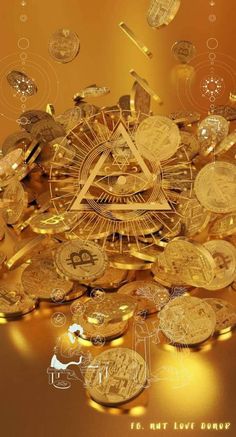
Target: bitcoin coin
x=211, y=131
x=140, y=100
x=40, y=278
x=187, y=320
x=225, y=314
x=164, y=274
x=77, y=291
x=80, y=260
x=190, y=144
x=150, y=296
x=47, y=130
x=92, y=91
x=144, y=252
x=112, y=278
x=162, y=12
x=157, y=138
x=21, y=83
x=195, y=217
x=13, y=301
x=64, y=45
x=128, y=262
x=215, y=187
x=18, y=201
x=224, y=255
x=225, y=144
x=16, y=140
x=29, y=118
x=70, y=118
x=113, y=308
x=116, y=376
x=183, y=51
x=223, y=226
x=51, y=223
x=91, y=331
x=191, y=262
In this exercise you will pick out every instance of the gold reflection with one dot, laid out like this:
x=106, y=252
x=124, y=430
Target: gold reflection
x=182, y=72
x=19, y=341
x=136, y=407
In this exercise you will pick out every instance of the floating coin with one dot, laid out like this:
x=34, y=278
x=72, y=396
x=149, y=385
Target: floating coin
x=111, y=278
x=157, y=138
x=80, y=260
x=64, y=45
x=107, y=331
x=192, y=262
x=18, y=201
x=183, y=51
x=225, y=144
x=40, y=278
x=116, y=376
x=51, y=223
x=29, y=118
x=190, y=144
x=140, y=101
x=195, y=216
x=92, y=91
x=223, y=226
x=162, y=12
x=215, y=187
x=143, y=83
x=13, y=301
x=211, y=131
x=187, y=320
x=20, y=82
x=141, y=46
x=224, y=254
x=225, y=314
x=113, y=308
x=150, y=296
x=17, y=140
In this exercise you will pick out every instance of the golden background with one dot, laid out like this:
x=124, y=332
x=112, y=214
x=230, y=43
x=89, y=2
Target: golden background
x=29, y=406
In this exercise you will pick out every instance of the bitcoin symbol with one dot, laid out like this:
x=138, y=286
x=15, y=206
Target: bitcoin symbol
x=8, y=298
x=222, y=262
x=83, y=257
x=53, y=220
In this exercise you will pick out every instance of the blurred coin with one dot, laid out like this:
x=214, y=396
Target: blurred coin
x=13, y=301
x=225, y=144
x=92, y=91
x=22, y=83
x=157, y=137
x=24, y=253
x=128, y=262
x=162, y=12
x=124, y=102
x=29, y=118
x=80, y=260
x=16, y=140
x=113, y=308
x=111, y=278
x=211, y=131
x=224, y=255
x=215, y=187
x=164, y=274
x=183, y=51
x=70, y=118
x=195, y=217
x=150, y=296
x=191, y=262
x=64, y=45
x=47, y=130
x=18, y=201
x=225, y=314
x=40, y=278
x=51, y=223
x=140, y=100
x=190, y=144
x=226, y=111
x=223, y=226
x=121, y=368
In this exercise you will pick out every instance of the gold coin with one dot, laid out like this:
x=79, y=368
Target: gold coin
x=64, y=45
x=24, y=253
x=80, y=260
x=187, y=320
x=88, y=230
x=150, y=296
x=18, y=201
x=2, y=257
x=143, y=83
x=224, y=255
x=14, y=158
x=47, y=130
x=13, y=301
x=190, y=144
x=192, y=262
x=195, y=216
x=51, y=223
x=16, y=140
x=164, y=275
x=141, y=46
x=112, y=278
x=106, y=332
x=157, y=138
x=223, y=226
x=215, y=187
x=92, y=91
x=140, y=100
x=22, y=83
x=128, y=262
x=40, y=278
x=77, y=291
x=183, y=51
x=226, y=111
x=112, y=308
x=225, y=314
x=162, y=12
x=225, y=144
x=185, y=117
x=29, y=118
x=211, y=131
x=124, y=379
x=145, y=252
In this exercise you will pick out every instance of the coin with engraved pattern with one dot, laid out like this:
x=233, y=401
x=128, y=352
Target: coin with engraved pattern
x=112, y=308
x=224, y=255
x=183, y=51
x=223, y=226
x=13, y=301
x=225, y=314
x=162, y=12
x=91, y=331
x=64, y=45
x=116, y=376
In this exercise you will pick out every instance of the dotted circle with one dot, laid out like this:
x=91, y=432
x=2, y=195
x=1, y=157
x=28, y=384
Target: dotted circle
x=212, y=56
x=212, y=18
x=212, y=43
x=23, y=99
x=23, y=43
x=23, y=56
x=23, y=18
